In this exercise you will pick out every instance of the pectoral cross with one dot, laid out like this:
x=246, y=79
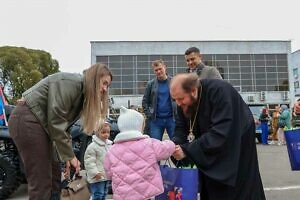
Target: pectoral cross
x=191, y=136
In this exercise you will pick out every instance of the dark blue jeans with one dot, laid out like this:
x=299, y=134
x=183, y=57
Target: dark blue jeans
x=99, y=190
x=264, y=132
x=158, y=126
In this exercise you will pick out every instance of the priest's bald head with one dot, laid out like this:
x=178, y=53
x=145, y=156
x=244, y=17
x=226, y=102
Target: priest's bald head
x=184, y=90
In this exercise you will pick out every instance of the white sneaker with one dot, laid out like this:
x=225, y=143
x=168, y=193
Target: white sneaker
x=272, y=142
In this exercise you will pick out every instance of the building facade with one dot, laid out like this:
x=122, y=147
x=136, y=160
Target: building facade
x=295, y=66
x=257, y=69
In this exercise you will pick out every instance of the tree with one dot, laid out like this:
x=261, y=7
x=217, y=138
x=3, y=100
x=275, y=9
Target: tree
x=22, y=68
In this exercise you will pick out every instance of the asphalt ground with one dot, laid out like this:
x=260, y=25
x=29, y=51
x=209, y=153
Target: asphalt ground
x=279, y=181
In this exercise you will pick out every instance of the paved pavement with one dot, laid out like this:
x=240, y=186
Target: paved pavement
x=278, y=179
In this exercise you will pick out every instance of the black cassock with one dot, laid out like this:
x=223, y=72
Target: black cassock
x=224, y=149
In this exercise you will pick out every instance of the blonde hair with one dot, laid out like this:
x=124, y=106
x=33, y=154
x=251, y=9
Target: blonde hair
x=103, y=127
x=95, y=105
x=156, y=63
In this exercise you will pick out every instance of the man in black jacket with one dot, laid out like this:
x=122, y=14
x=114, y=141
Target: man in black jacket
x=158, y=105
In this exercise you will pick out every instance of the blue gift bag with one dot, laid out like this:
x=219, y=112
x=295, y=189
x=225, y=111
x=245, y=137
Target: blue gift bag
x=179, y=183
x=292, y=138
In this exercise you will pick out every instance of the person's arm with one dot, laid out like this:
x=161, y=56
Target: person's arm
x=163, y=149
x=107, y=166
x=146, y=100
x=297, y=107
x=181, y=129
x=284, y=115
x=62, y=96
x=90, y=158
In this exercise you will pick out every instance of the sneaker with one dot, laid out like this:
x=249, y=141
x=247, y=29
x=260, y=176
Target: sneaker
x=272, y=142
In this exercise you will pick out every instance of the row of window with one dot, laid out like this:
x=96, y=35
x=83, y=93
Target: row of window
x=212, y=57
x=122, y=80
x=140, y=91
x=223, y=64
x=247, y=72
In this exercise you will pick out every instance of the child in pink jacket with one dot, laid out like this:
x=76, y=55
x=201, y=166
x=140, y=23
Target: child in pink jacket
x=132, y=162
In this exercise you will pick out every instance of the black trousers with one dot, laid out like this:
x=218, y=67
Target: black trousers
x=36, y=150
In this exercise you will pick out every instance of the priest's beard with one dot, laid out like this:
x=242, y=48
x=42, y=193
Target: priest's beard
x=191, y=109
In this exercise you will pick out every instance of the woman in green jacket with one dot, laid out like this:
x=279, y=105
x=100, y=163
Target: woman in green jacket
x=284, y=120
x=39, y=124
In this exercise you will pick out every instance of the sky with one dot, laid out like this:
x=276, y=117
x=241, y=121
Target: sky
x=64, y=28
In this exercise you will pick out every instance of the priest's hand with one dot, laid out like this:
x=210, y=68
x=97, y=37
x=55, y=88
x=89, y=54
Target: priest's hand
x=178, y=154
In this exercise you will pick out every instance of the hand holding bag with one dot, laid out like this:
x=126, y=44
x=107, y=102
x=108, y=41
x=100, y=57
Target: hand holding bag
x=77, y=189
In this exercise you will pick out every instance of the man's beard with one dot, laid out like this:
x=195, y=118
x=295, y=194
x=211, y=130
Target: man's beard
x=191, y=109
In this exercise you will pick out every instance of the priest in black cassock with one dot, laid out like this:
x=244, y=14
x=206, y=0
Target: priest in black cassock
x=215, y=130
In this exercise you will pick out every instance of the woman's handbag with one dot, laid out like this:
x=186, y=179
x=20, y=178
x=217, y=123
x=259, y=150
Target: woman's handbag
x=76, y=189
x=292, y=138
x=179, y=183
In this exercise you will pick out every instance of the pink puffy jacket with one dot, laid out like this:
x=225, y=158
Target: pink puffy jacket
x=132, y=165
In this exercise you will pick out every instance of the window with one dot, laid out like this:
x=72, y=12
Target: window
x=102, y=59
x=271, y=75
x=271, y=63
x=245, y=57
x=234, y=70
x=207, y=57
x=115, y=71
x=233, y=63
x=246, y=76
x=233, y=56
x=246, y=69
x=247, y=82
x=245, y=63
x=295, y=72
x=260, y=63
x=271, y=69
x=296, y=84
x=234, y=76
x=259, y=57
x=221, y=57
x=142, y=58
x=260, y=76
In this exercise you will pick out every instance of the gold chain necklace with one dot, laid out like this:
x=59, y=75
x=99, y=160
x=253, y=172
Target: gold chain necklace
x=191, y=135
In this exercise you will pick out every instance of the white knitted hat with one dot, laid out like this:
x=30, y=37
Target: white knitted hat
x=130, y=120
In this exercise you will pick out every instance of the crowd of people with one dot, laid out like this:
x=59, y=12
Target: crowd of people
x=208, y=124
x=276, y=121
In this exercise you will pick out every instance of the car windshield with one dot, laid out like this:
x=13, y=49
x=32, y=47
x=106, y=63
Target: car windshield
x=256, y=110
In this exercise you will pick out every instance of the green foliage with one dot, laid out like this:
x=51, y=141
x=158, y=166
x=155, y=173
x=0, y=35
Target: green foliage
x=22, y=68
